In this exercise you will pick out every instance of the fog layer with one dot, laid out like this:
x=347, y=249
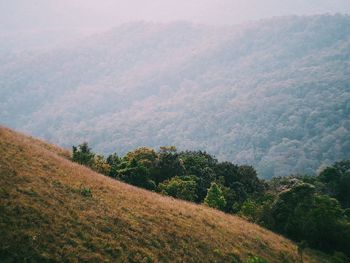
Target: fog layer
x=48, y=14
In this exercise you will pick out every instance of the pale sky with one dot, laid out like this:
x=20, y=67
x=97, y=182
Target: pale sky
x=41, y=14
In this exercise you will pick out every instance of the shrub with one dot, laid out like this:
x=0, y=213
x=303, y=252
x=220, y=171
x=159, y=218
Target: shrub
x=85, y=191
x=215, y=197
x=183, y=187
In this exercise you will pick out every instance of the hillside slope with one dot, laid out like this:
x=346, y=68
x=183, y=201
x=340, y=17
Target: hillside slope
x=274, y=93
x=47, y=214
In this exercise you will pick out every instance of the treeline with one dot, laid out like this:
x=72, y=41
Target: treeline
x=311, y=210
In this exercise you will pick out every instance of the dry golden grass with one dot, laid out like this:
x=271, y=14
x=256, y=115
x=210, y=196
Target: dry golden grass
x=44, y=216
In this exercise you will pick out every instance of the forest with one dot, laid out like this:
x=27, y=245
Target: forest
x=272, y=93
x=311, y=210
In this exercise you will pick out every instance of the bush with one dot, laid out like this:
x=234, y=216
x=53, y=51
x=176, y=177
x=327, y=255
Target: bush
x=183, y=187
x=85, y=191
x=215, y=198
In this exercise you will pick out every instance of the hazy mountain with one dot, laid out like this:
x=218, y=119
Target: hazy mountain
x=46, y=14
x=25, y=41
x=274, y=93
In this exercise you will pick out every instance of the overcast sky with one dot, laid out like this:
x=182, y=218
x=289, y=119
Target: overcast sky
x=41, y=14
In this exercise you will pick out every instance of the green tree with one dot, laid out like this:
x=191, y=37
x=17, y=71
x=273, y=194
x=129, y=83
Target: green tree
x=202, y=165
x=144, y=155
x=323, y=222
x=168, y=165
x=83, y=154
x=228, y=171
x=248, y=177
x=251, y=210
x=302, y=214
x=290, y=209
x=114, y=162
x=183, y=187
x=242, y=181
x=231, y=199
x=337, y=182
x=136, y=174
x=215, y=197
x=100, y=165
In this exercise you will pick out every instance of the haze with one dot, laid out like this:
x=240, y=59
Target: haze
x=26, y=15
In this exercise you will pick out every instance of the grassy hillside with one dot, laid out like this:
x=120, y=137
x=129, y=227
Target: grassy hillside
x=273, y=93
x=54, y=210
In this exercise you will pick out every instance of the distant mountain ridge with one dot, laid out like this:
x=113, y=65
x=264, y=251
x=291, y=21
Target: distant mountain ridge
x=274, y=93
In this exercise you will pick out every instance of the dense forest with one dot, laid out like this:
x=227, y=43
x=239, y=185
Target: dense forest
x=312, y=210
x=273, y=94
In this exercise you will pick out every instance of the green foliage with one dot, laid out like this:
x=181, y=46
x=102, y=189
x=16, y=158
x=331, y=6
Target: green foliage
x=256, y=259
x=323, y=222
x=251, y=210
x=302, y=214
x=290, y=210
x=82, y=154
x=167, y=165
x=201, y=165
x=240, y=183
x=228, y=172
x=336, y=181
x=215, y=198
x=347, y=213
x=339, y=257
x=136, y=174
x=114, y=162
x=100, y=165
x=183, y=187
x=85, y=191
x=144, y=156
x=232, y=205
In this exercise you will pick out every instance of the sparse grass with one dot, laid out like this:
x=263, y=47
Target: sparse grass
x=43, y=218
x=85, y=191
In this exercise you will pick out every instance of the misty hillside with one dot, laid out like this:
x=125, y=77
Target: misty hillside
x=275, y=93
